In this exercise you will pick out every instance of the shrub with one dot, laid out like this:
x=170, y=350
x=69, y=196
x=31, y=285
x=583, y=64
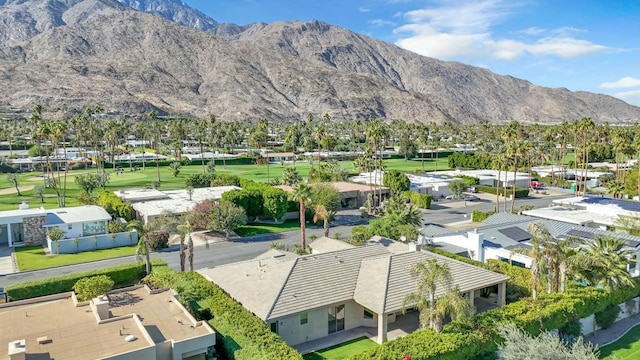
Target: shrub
x=200, y=180
x=359, y=235
x=422, y=201
x=122, y=275
x=520, y=192
x=480, y=216
x=395, y=180
x=607, y=317
x=91, y=287
x=116, y=226
x=157, y=239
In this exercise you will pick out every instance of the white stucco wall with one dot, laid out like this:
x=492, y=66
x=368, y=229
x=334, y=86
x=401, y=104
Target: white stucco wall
x=71, y=230
x=293, y=333
x=500, y=253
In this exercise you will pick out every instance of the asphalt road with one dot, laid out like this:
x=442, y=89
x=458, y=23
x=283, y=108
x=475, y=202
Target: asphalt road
x=442, y=212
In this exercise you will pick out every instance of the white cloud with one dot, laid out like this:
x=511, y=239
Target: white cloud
x=381, y=23
x=463, y=28
x=364, y=9
x=632, y=97
x=625, y=82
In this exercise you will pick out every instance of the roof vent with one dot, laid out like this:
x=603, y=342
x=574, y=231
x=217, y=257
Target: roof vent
x=23, y=206
x=130, y=338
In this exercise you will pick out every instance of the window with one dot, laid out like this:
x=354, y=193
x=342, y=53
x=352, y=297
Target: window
x=304, y=318
x=70, y=227
x=368, y=314
x=274, y=327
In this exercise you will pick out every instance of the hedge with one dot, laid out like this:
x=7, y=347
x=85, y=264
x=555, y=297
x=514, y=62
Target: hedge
x=422, y=201
x=520, y=192
x=480, y=216
x=152, y=162
x=239, y=334
x=122, y=275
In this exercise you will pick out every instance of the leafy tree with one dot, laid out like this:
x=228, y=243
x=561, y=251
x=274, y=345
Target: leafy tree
x=396, y=180
x=430, y=275
x=157, y=239
x=520, y=345
x=175, y=168
x=290, y=176
x=199, y=215
x=275, y=203
x=14, y=179
x=92, y=287
x=38, y=191
x=326, y=195
x=55, y=234
x=302, y=195
x=87, y=183
x=116, y=226
x=200, y=180
x=225, y=217
x=457, y=187
x=239, y=198
x=38, y=150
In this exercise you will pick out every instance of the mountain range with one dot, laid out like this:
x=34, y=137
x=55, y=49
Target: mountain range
x=130, y=56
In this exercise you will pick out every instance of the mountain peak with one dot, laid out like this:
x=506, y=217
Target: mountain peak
x=174, y=10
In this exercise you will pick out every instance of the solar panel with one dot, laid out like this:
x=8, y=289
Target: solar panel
x=582, y=234
x=515, y=233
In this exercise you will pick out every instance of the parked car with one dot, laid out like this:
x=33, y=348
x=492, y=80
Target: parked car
x=471, y=198
x=472, y=189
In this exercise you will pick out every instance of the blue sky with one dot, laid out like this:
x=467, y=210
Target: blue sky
x=590, y=45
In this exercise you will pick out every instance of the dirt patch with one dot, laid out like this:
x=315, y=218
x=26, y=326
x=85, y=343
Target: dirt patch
x=12, y=190
x=199, y=238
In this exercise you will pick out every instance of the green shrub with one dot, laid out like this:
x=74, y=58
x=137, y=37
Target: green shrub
x=122, y=275
x=239, y=334
x=607, y=317
x=92, y=287
x=200, y=180
x=157, y=239
x=359, y=235
x=480, y=216
x=520, y=192
x=422, y=201
x=396, y=180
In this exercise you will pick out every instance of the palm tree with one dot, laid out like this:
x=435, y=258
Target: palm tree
x=321, y=212
x=567, y=253
x=143, y=246
x=430, y=275
x=302, y=195
x=540, y=237
x=604, y=263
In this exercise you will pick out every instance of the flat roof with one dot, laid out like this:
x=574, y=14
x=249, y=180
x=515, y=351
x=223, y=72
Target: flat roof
x=136, y=195
x=341, y=186
x=74, y=331
x=571, y=215
x=178, y=202
x=158, y=309
x=68, y=215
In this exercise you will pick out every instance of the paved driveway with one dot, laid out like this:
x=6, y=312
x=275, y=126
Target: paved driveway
x=6, y=264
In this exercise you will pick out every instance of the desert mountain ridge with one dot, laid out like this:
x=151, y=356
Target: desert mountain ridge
x=131, y=56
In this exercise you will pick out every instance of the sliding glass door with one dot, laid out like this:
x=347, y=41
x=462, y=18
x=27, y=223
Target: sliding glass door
x=336, y=319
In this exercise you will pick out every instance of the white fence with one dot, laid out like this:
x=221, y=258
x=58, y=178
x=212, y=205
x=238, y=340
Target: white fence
x=94, y=242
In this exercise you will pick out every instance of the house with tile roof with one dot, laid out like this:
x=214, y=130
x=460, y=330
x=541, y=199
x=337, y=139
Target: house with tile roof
x=501, y=233
x=308, y=298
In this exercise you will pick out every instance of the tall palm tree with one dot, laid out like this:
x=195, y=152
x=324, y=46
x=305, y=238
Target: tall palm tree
x=143, y=246
x=321, y=213
x=430, y=276
x=302, y=194
x=540, y=237
x=567, y=253
x=605, y=262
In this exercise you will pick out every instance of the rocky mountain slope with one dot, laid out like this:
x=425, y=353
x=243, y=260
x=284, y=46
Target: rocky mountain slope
x=74, y=53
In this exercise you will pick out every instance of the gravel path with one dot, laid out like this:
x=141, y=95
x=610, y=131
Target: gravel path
x=617, y=330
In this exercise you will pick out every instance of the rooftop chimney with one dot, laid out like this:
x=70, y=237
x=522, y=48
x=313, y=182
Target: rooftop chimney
x=17, y=350
x=476, y=242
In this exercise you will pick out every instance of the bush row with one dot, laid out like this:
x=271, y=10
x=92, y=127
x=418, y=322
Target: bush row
x=185, y=161
x=476, y=337
x=480, y=216
x=122, y=275
x=239, y=334
x=422, y=201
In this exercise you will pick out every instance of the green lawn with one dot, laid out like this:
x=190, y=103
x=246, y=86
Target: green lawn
x=34, y=257
x=343, y=350
x=627, y=348
x=259, y=229
x=137, y=179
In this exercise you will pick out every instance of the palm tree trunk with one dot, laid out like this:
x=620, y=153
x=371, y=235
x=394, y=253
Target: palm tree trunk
x=148, y=258
x=563, y=277
x=513, y=185
x=303, y=239
x=326, y=226
x=498, y=191
x=534, y=280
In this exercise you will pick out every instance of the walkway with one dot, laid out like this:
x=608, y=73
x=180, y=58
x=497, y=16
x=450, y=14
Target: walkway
x=6, y=262
x=616, y=331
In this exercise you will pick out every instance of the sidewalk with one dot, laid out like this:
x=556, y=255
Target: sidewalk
x=616, y=331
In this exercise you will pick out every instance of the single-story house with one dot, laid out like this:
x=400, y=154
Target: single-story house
x=276, y=157
x=501, y=233
x=353, y=195
x=29, y=226
x=310, y=297
x=131, y=323
x=150, y=203
x=490, y=177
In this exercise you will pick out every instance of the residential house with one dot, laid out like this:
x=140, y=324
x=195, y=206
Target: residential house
x=353, y=195
x=308, y=298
